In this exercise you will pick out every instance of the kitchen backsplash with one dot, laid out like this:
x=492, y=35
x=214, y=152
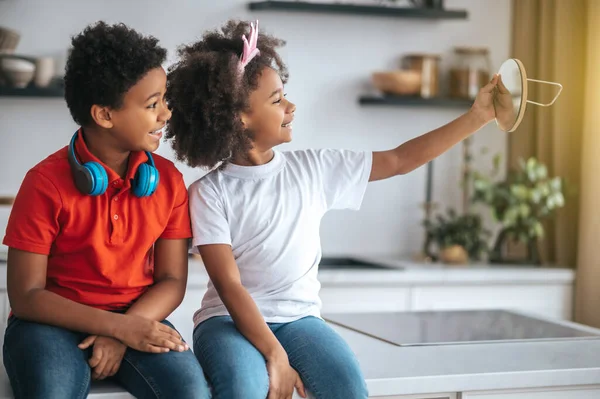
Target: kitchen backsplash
x=330, y=57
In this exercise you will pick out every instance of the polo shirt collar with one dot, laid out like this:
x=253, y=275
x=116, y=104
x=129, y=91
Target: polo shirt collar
x=136, y=158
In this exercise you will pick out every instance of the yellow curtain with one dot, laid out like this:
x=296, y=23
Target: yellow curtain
x=559, y=41
x=587, y=303
x=549, y=36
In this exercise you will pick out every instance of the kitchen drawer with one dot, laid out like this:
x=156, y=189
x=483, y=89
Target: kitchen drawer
x=575, y=392
x=423, y=396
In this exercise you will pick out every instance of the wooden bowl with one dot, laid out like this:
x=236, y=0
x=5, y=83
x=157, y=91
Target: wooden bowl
x=400, y=82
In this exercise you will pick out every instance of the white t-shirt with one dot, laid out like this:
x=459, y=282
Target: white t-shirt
x=270, y=215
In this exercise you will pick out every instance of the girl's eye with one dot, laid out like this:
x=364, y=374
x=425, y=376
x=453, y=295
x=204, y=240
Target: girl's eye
x=279, y=100
x=152, y=106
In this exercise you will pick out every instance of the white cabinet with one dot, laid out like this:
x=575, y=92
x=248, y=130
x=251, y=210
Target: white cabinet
x=575, y=392
x=182, y=317
x=553, y=301
x=424, y=396
x=364, y=299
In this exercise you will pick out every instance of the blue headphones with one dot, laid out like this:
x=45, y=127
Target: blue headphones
x=91, y=177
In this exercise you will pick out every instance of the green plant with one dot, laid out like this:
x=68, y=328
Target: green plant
x=465, y=230
x=523, y=200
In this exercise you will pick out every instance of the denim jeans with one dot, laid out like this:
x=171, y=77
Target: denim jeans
x=237, y=370
x=43, y=361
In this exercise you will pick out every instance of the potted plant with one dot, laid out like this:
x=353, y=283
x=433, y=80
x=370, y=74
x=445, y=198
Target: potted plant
x=458, y=238
x=520, y=203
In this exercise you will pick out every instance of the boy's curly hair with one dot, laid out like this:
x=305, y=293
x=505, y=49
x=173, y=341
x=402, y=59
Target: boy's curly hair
x=105, y=61
x=207, y=95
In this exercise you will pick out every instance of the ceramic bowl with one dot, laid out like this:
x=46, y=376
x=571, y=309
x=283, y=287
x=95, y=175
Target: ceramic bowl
x=18, y=73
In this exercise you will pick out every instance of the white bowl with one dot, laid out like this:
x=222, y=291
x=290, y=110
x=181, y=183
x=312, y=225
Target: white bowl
x=16, y=64
x=19, y=73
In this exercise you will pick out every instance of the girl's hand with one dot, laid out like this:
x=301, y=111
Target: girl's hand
x=282, y=380
x=505, y=109
x=483, y=107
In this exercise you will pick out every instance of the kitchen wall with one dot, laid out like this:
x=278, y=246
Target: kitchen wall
x=330, y=58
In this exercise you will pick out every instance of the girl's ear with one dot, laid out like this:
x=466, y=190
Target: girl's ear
x=245, y=118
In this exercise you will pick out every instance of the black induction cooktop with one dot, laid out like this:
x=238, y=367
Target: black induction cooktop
x=459, y=327
x=329, y=263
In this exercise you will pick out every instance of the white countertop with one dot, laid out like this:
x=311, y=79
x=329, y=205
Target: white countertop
x=395, y=370
x=412, y=273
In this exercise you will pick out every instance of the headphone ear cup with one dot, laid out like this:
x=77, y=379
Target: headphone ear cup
x=154, y=179
x=99, y=178
x=83, y=179
x=145, y=181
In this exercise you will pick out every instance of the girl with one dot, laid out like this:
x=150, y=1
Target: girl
x=255, y=219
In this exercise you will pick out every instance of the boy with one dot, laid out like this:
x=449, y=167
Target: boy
x=98, y=235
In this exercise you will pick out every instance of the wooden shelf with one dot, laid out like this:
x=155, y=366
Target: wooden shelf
x=54, y=90
x=415, y=101
x=358, y=9
x=6, y=201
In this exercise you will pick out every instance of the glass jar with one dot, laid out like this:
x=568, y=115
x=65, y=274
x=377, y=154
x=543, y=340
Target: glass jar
x=470, y=72
x=428, y=66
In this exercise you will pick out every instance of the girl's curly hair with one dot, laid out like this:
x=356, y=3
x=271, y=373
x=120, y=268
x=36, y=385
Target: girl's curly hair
x=207, y=95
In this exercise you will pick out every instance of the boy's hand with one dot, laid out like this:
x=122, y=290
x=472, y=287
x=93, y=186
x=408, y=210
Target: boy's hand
x=106, y=356
x=147, y=335
x=483, y=107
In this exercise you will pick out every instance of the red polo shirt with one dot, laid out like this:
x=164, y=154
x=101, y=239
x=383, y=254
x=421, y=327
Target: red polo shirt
x=100, y=249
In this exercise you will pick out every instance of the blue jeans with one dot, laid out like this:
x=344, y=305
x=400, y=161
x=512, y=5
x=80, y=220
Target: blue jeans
x=237, y=370
x=43, y=361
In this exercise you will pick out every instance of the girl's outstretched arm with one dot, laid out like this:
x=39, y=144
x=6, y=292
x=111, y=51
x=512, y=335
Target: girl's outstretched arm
x=420, y=150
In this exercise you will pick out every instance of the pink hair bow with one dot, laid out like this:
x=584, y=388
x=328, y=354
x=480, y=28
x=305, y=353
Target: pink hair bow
x=250, y=50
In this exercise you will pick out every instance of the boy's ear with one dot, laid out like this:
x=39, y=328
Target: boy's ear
x=102, y=117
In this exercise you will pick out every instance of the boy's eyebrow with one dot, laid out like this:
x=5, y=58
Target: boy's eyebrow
x=157, y=94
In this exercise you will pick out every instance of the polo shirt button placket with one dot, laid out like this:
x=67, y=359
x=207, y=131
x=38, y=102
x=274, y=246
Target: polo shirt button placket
x=117, y=184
